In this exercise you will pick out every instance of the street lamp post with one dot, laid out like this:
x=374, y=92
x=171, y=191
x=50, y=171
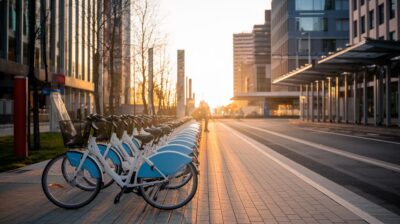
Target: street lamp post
x=309, y=46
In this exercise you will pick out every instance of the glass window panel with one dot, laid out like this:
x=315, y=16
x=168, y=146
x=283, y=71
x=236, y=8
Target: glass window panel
x=371, y=21
x=381, y=14
x=312, y=24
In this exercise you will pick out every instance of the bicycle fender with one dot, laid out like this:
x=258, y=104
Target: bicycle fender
x=186, y=138
x=182, y=142
x=90, y=164
x=167, y=162
x=176, y=148
x=111, y=154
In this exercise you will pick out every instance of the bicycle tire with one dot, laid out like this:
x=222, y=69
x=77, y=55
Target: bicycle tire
x=162, y=197
x=77, y=193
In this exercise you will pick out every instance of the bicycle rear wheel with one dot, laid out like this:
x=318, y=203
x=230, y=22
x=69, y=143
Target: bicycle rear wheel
x=67, y=190
x=164, y=196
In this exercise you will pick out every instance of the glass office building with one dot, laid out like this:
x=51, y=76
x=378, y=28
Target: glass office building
x=305, y=27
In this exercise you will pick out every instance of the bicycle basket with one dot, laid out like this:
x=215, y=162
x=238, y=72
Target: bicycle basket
x=103, y=132
x=72, y=136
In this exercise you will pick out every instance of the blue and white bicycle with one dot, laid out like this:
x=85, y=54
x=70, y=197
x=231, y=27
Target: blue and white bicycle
x=75, y=178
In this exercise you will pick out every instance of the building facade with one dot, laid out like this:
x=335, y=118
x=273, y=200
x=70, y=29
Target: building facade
x=376, y=19
x=304, y=29
x=69, y=36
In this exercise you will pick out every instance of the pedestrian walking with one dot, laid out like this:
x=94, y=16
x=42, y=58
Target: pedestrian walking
x=204, y=111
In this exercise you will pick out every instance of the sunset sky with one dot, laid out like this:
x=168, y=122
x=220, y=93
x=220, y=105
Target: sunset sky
x=204, y=30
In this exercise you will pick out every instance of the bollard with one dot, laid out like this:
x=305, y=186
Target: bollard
x=20, y=115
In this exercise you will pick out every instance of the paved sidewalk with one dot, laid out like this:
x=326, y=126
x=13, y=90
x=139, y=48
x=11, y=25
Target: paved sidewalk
x=237, y=185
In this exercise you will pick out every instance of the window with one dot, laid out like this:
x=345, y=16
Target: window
x=342, y=4
x=311, y=24
x=381, y=14
x=362, y=24
x=12, y=17
x=355, y=4
x=362, y=2
x=342, y=25
x=371, y=21
x=392, y=35
x=314, y=5
x=392, y=9
x=355, y=28
x=328, y=45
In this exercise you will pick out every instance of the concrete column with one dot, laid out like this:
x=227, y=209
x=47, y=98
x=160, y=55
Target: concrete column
x=398, y=100
x=337, y=100
x=346, y=108
x=365, y=99
x=307, y=103
x=301, y=103
x=330, y=99
x=375, y=101
x=318, y=107
x=323, y=99
x=388, y=98
x=355, y=105
x=380, y=98
x=312, y=101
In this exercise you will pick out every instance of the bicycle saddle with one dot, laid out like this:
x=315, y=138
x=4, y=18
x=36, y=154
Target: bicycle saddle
x=156, y=132
x=144, y=139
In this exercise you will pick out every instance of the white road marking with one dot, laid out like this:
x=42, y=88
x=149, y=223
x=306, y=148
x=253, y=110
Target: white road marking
x=352, y=136
x=353, y=208
x=350, y=155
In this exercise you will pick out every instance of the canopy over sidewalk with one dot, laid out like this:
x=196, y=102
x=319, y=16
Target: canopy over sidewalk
x=352, y=59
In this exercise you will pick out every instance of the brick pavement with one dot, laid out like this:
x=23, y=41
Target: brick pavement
x=237, y=185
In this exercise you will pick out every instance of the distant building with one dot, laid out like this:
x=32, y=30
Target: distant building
x=252, y=59
x=262, y=54
x=252, y=75
x=375, y=19
x=293, y=22
x=243, y=62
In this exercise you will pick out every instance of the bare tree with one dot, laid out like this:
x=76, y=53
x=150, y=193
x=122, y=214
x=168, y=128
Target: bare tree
x=145, y=35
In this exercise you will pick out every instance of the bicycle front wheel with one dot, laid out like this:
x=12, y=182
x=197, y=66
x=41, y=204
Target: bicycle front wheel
x=164, y=196
x=67, y=187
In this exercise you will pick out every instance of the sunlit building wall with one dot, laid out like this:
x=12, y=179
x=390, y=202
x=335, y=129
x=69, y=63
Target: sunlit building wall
x=374, y=19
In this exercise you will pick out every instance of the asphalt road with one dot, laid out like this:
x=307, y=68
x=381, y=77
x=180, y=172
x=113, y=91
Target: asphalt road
x=364, y=163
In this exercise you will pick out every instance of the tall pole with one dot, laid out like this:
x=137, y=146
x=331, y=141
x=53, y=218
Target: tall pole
x=150, y=93
x=309, y=48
